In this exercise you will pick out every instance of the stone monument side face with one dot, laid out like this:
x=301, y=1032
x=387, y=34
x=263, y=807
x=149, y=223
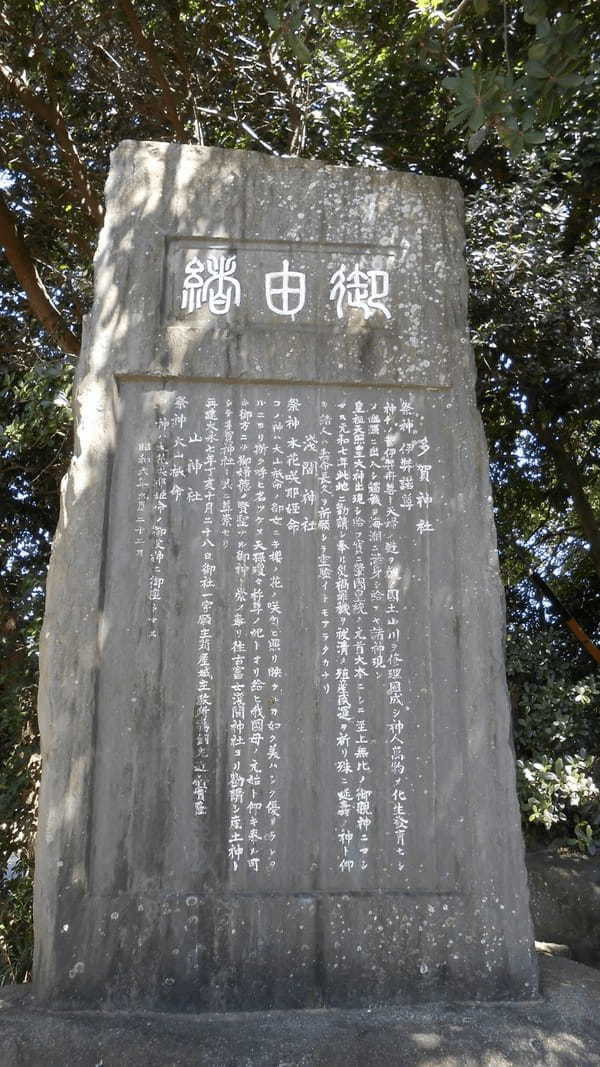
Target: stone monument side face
x=277, y=766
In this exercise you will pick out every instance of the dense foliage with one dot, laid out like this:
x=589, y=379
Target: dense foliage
x=557, y=738
x=502, y=96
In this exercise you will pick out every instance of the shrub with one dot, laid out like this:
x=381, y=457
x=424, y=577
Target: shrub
x=560, y=795
x=556, y=728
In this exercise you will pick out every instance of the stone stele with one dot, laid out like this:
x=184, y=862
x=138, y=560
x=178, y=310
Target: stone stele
x=274, y=715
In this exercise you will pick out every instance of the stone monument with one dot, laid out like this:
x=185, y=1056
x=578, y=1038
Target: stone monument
x=275, y=726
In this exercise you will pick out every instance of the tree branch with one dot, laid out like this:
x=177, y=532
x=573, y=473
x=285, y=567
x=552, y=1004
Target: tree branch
x=571, y=478
x=147, y=47
x=239, y=122
x=452, y=17
x=112, y=82
x=54, y=190
x=292, y=90
x=49, y=112
x=26, y=271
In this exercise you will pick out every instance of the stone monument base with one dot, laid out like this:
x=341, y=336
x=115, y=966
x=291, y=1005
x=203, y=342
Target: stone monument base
x=561, y=1029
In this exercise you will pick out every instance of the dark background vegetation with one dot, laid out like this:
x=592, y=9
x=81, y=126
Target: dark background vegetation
x=502, y=96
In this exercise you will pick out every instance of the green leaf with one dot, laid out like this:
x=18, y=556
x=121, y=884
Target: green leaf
x=464, y=80
x=476, y=118
x=476, y=139
x=543, y=28
x=536, y=69
x=298, y=47
x=457, y=117
x=569, y=81
x=538, y=50
x=481, y=6
x=462, y=87
x=527, y=119
x=534, y=136
x=272, y=18
x=534, y=11
x=566, y=23
x=514, y=141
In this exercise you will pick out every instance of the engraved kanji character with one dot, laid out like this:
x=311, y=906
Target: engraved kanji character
x=213, y=283
x=285, y=298
x=364, y=289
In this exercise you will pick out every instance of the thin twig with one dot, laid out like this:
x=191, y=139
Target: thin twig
x=458, y=10
x=232, y=118
x=147, y=46
x=508, y=66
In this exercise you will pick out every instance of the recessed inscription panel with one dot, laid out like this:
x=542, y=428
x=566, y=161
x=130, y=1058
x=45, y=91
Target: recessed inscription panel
x=339, y=312
x=262, y=283
x=280, y=539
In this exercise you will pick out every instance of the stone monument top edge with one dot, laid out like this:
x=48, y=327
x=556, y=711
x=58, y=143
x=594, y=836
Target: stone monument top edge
x=173, y=209
x=249, y=158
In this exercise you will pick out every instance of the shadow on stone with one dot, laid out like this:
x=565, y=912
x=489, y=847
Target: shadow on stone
x=565, y=902
x=561, y=1029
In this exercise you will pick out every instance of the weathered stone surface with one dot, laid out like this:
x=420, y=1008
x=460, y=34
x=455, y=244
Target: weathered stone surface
x=561, y=1029
x=277, y=769
x=565, y=901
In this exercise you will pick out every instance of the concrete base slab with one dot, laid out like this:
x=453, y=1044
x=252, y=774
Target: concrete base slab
x=562, y=1029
